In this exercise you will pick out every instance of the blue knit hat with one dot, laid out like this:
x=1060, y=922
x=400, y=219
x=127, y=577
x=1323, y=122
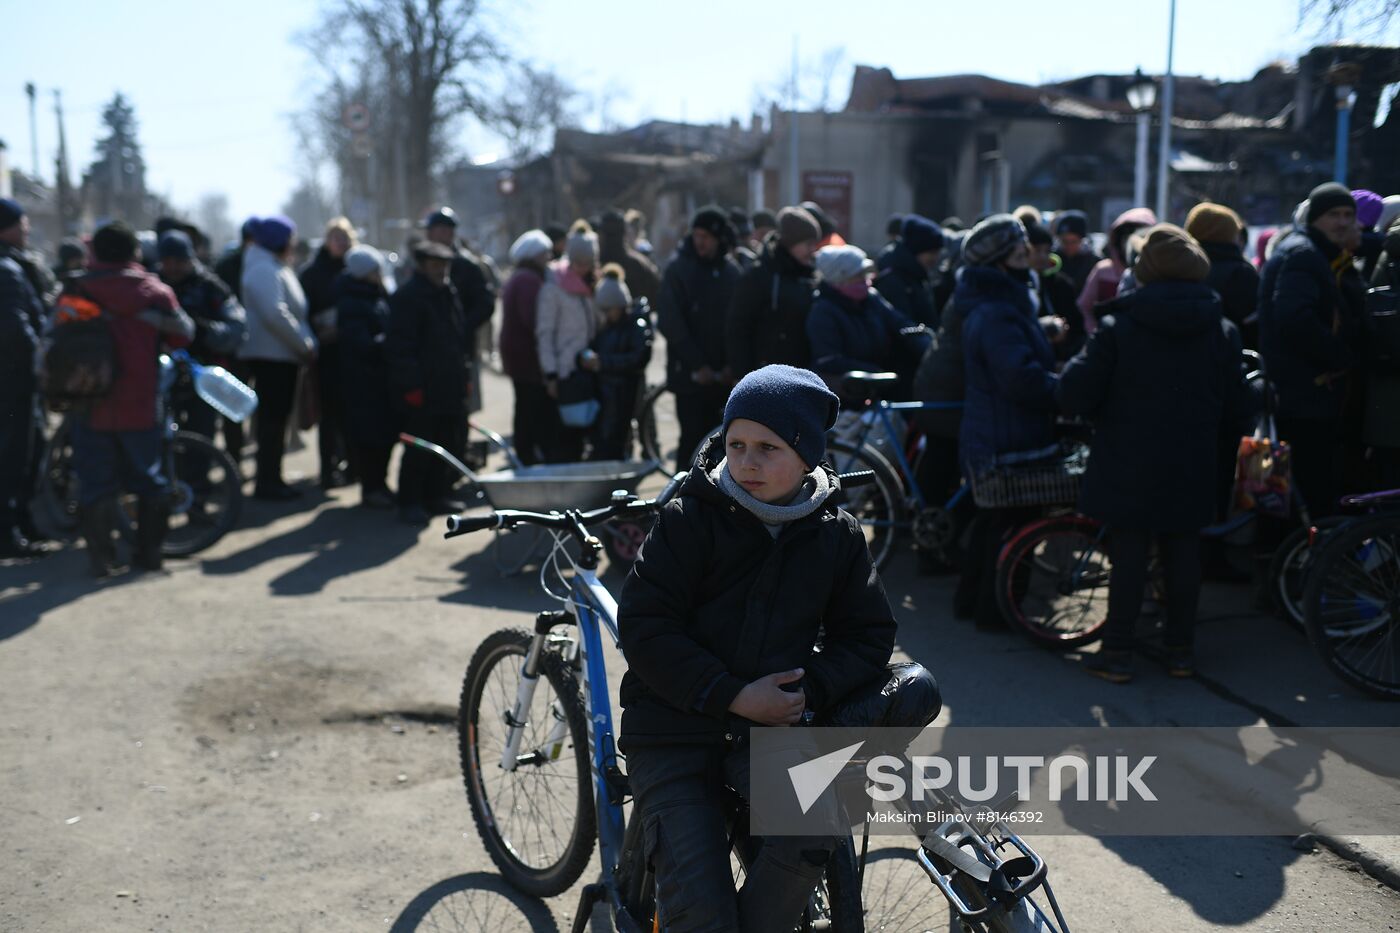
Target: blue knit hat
x=10, y=213
x=921, y=235
x=274, y=233
x=792, y=403
x=175, y=244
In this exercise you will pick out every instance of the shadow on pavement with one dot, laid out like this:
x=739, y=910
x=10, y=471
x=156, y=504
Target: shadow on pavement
x=29, y=589
x=471, y=903
x=338, y=542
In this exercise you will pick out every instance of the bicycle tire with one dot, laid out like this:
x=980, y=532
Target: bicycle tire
x=843, y=889
x=194, y=526
x=557, y=874
x=879, y=505
x=1044, y=560
x=1351, y=603
x=1289, y=566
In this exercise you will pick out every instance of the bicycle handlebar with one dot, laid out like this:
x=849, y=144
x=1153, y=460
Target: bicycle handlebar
x=578, y=522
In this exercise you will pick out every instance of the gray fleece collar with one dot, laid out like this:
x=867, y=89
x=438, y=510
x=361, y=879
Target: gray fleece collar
x=814, y=491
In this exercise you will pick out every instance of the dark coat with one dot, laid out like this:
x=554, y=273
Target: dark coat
x=428, y=345
x=318, y=279
x=907, y=286
x=520, y=355
x=1010, y=369
x=230, y=269
x=1305, y=332
x=643, y=281
x=941, y=376
x=1157, y=379
x=767, y=323
x=1381, y=423
x=1057, y=297
x=715, y=602
x=21, y=322
x=847, y=336
x=1078, y=266
x=472, y=281
x=1236, y=281
x=362, y=317
x=695, y=298
x=220, y=324
x=623, y=349
x=39, y=276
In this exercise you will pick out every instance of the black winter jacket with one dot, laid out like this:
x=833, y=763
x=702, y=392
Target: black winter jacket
x=848, y=336
x=623, y=349
x=1236, y=281
x=1305, y=331
x=768, y=319
x=428, y=345
x=474, y=292
x=907, y=286
x=362, y=317
x=695, y=297
x=1157, y=378
x=317, y=279
x=220, y=323
x=715, y=602
x=21, y=322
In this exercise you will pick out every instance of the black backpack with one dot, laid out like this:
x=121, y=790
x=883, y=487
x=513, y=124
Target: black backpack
x=80, y=362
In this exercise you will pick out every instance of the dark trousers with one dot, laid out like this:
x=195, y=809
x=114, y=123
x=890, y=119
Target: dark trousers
x=976, y=594
x=330, y=436
x=276, y=385
x=1130, y=549
x=1317, y=460
x=17, y=425
x=371, y=462
x=193, y=414
x=679, y=791
x=700, y=409
x=424, y=477
x=535, y=423
x=108, y=462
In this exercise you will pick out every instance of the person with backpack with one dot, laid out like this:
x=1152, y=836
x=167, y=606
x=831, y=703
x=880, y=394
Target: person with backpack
x=21, y=323
x=619, y=360
x=118, y=441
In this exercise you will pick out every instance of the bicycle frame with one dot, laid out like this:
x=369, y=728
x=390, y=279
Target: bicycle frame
x=880, y=410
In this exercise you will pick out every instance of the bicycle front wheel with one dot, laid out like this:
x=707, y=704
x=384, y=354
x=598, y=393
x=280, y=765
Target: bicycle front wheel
x=206, y=495
x=536, y=820
x=878, y=505
x=1052, y=581
x=1290, y=565
x=1352, y=604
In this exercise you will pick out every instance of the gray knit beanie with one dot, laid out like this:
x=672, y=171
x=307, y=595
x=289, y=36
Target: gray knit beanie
x=582, y=245
x=362, y=262
x=612, y=289
x=993, y=239
x=797, y=226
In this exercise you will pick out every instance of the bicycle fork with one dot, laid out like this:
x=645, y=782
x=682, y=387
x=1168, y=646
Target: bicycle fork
x=518, y=716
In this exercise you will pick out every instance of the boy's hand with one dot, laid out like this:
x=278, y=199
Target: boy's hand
x=766, y=702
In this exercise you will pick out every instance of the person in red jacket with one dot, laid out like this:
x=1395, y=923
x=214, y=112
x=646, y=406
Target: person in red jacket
x=117, y=442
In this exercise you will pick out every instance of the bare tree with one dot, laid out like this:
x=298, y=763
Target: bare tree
x=534, y=103
x=816, y=84
x=419, y=65
x=1369, y=16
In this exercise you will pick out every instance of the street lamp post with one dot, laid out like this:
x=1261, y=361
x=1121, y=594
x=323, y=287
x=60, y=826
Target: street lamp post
x=1164, y=154
x=1142, y=95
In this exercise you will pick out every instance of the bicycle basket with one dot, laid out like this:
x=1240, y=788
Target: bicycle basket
x=1050, y=479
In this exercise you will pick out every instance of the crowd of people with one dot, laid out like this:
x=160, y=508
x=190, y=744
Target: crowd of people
x=1020, y=318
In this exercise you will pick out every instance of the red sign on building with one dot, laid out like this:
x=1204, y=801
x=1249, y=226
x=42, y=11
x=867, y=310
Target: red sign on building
x=832, y=191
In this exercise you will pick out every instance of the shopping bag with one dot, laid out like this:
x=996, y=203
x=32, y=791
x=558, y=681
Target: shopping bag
x=1263, y=472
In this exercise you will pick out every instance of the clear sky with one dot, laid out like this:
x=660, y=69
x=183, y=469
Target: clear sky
x=216, y=85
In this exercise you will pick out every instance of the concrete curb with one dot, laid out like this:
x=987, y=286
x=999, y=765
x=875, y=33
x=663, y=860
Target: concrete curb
x=1354, y=850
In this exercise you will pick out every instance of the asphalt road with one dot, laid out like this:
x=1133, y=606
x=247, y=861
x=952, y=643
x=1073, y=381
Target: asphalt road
x=264, y=738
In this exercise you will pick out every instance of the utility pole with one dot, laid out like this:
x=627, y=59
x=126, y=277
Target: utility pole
x=1164, y=154
x=66, y=213
x=32, y=91
x=795, y=185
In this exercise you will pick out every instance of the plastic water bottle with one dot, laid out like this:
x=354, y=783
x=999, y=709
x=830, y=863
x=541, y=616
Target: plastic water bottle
x=224, y=392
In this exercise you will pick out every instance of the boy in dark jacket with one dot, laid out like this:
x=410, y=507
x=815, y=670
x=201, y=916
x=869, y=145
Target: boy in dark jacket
x=621, y=352
x=721, y=612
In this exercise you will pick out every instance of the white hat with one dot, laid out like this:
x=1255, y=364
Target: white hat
x=532, y=245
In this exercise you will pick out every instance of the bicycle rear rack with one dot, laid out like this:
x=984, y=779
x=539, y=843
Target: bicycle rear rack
x=1005, y=881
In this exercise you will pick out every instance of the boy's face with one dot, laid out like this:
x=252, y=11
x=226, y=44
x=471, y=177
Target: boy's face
x=762, y=462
